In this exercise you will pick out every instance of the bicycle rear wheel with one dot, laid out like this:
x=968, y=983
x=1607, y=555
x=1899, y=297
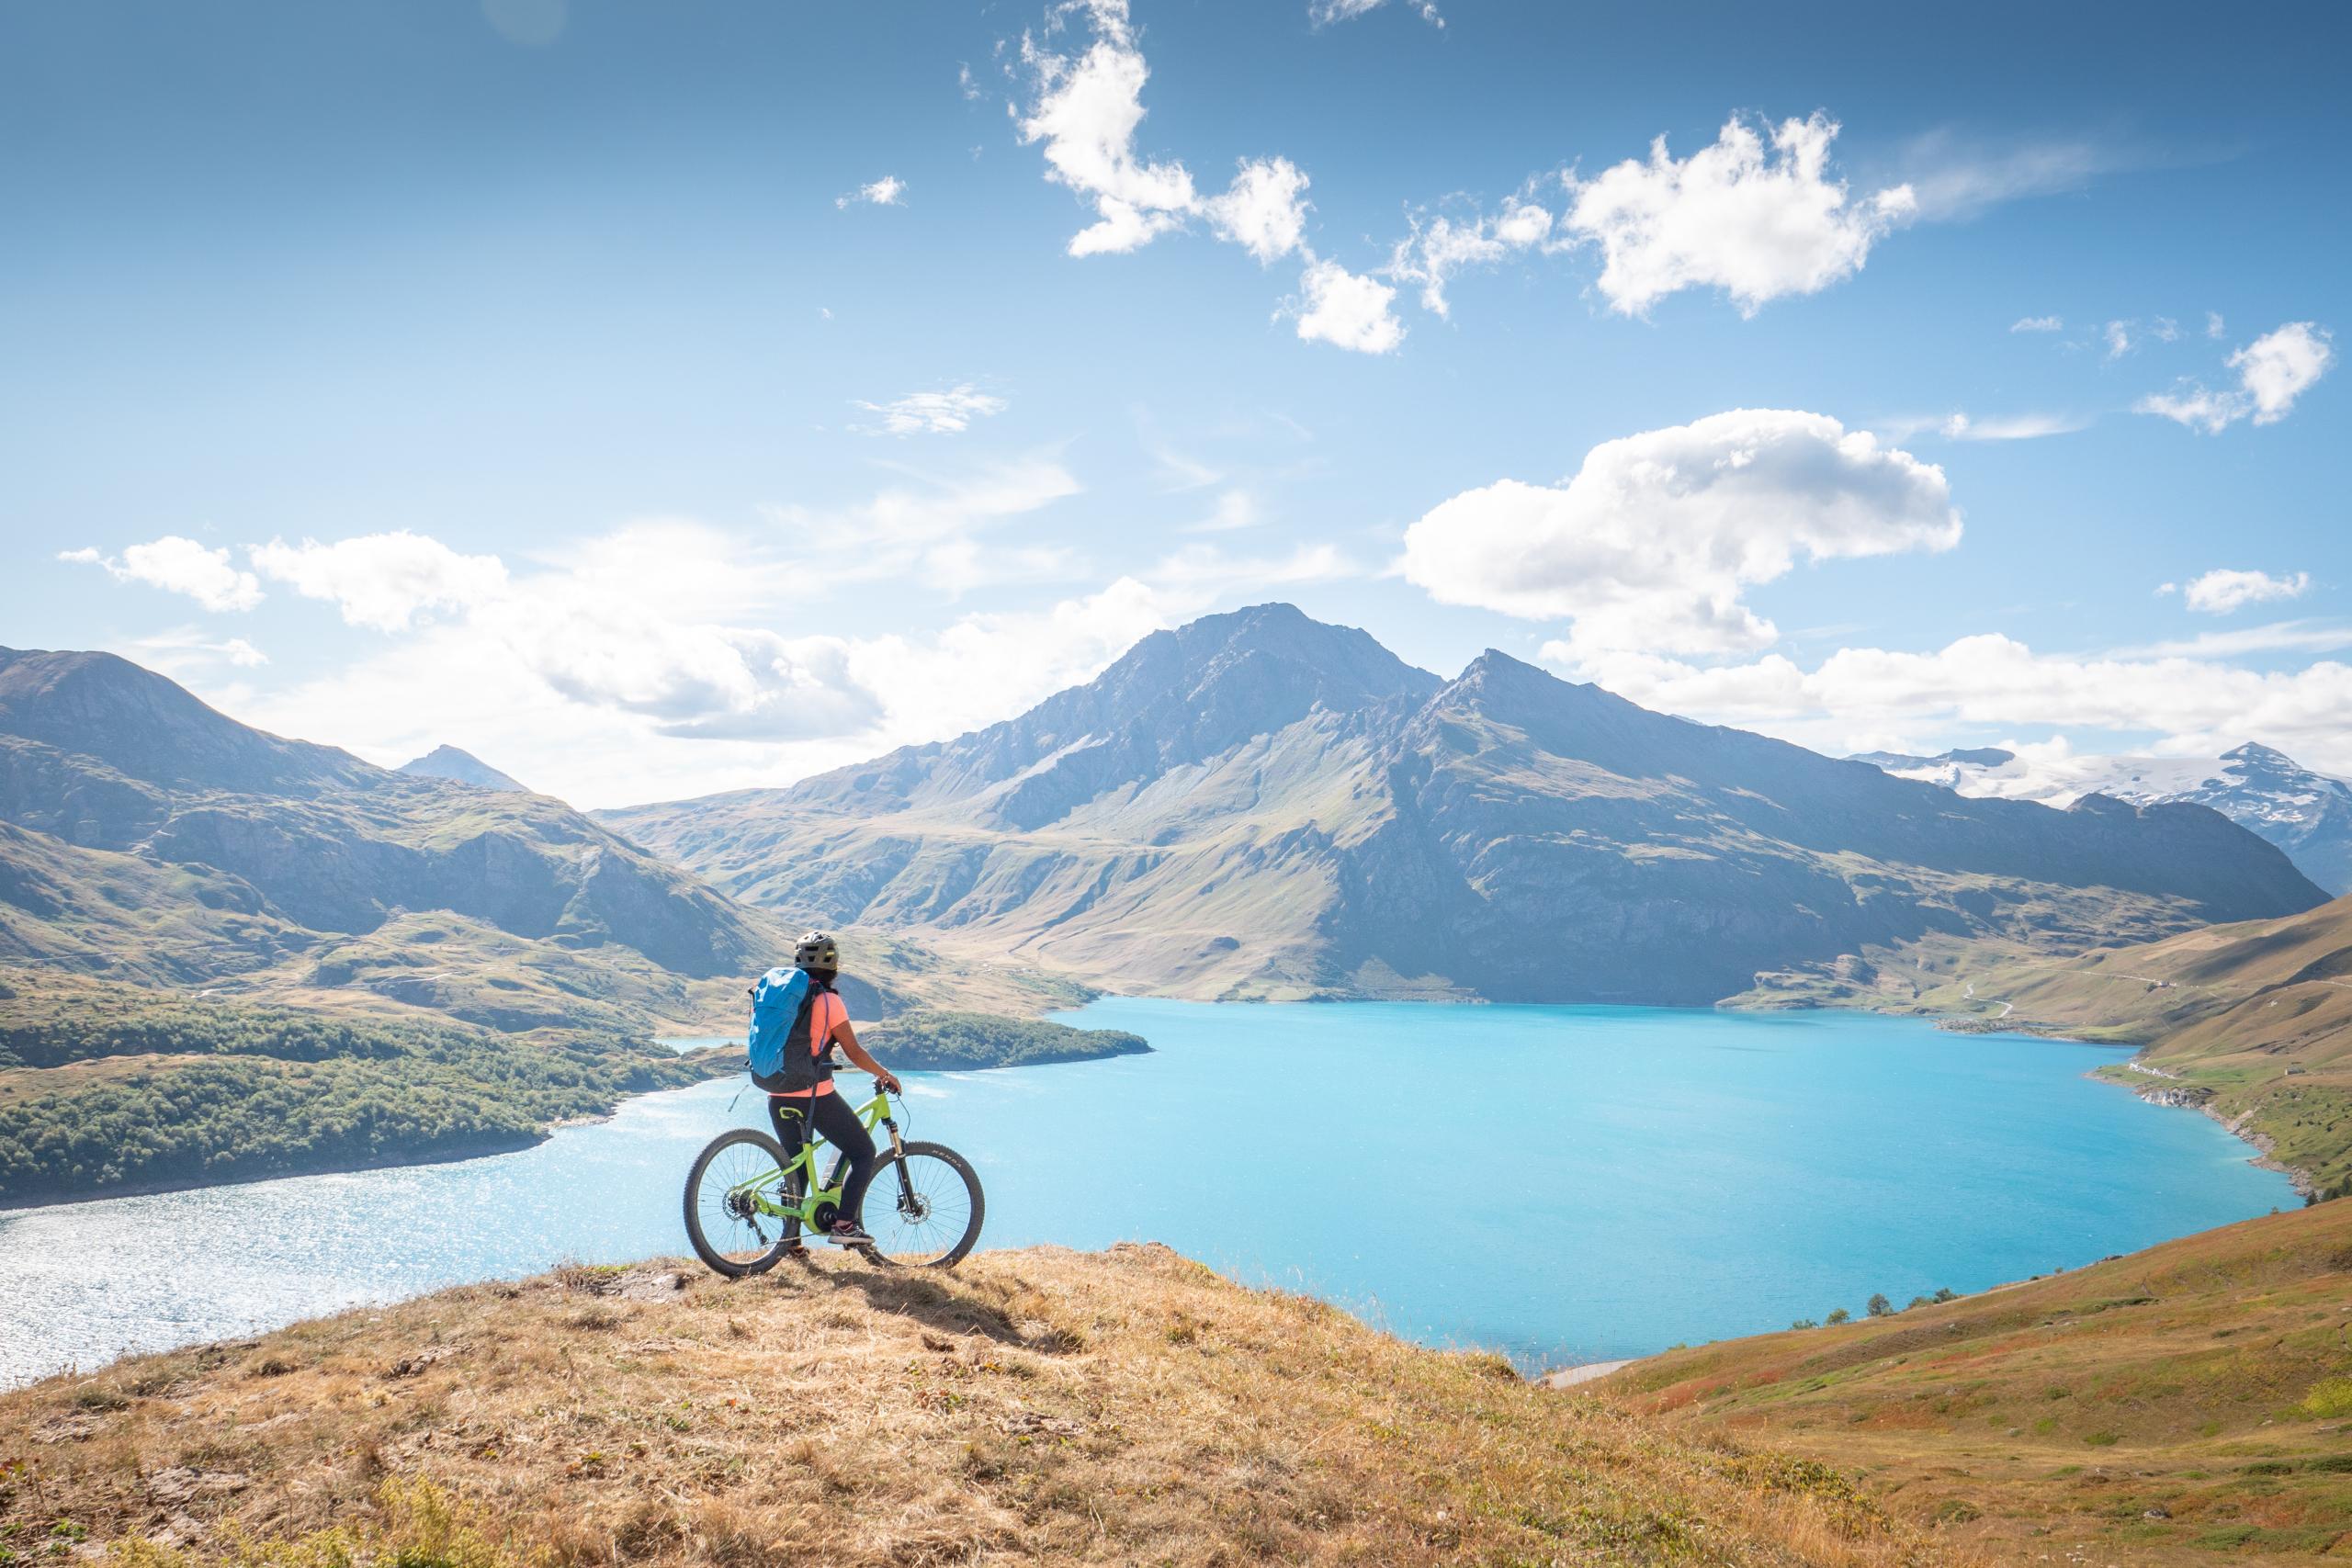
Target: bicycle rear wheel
x=924, y=1208
x=727, y=1231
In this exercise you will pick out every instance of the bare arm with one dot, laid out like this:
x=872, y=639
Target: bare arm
x=847, y=1038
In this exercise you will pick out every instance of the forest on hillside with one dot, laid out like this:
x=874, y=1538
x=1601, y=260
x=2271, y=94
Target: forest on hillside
x=108, y=1089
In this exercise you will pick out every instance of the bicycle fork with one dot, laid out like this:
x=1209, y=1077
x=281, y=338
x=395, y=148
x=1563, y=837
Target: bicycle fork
x=899, y=1164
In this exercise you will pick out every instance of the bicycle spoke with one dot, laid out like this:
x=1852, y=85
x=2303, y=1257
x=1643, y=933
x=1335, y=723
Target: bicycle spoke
x=943, y=1206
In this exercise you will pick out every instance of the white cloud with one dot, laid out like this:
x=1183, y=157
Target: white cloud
x=1347, y=309
x=2195, y=706
x=1087, y=113
x=930, y=528
x=1205, y=572
x=618, y=625
x=2195, y=407
x=383, y=581
x=1265, y=210
x=179, y=565
x=2037, y=324
x=991, y=666
x=1653, y=543
x=2008, y=428
x=2279, y=366
x=1236, y=508
x=888, y=191
x=1955, y=179
x=1323, y=12
x=189, y=652
x=2278, y=636
x=1960, y=425
x=2219, y=592
x=2118, y=339
x=1087, y=110
x=2213, y=324
x=936, y=414
x=2273, y=371
x=1756, y=223
x=1436, y=250
x=939, y=508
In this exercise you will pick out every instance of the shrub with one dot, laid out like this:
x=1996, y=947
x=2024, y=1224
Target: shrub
x=2329, y=1398
x=1839, y=1314
x=1879, y=1306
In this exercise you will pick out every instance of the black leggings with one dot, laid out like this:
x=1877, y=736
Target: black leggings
x=840, y=1127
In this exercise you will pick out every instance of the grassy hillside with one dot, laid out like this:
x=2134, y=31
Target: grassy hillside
x=2187, y=1404
x=1040, y=1406
x=109, y=1089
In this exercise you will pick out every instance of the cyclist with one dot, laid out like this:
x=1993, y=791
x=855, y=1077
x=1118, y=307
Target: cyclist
x=793, y=1113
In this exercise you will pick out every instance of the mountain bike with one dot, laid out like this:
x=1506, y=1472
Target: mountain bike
x=747, y=1206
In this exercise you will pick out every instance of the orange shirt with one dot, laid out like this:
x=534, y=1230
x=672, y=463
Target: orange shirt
x=827, y=1013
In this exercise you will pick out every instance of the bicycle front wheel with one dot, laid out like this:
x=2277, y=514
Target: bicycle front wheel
x=723, y=1219
x=924, y=1207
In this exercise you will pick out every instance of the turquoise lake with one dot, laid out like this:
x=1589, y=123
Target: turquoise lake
x=1563, y=1184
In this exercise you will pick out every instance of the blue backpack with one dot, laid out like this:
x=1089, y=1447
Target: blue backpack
x=779, y=1023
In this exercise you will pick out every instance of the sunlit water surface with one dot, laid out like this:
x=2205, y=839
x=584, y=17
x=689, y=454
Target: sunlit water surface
x=1561, y=1183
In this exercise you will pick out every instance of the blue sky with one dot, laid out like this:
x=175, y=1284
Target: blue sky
x=547, y=378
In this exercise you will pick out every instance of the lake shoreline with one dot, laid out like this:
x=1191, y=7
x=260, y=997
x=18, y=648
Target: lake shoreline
x=1819, y=1102
x=2167, y=1091
x=482, y=1148
x=2240, y=1126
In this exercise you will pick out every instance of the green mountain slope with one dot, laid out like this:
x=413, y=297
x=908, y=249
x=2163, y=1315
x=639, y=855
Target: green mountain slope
x=1261, y=804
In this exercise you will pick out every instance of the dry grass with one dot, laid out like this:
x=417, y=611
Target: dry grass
x=2190, y=1404
x=1039, y=1406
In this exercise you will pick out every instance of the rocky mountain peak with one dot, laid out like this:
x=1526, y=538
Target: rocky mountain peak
x=1273, y=653
x=2269, y=759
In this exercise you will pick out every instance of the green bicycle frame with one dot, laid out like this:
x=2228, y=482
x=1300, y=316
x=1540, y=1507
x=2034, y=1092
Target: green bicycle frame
x=766, y=1193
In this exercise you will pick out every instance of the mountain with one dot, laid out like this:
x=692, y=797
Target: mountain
x=108, y=757
x=146, y=837
x=2305, y=813
x=1259, y=805
x=2182, y=1405
x=449, y=762
x=1031, y=1407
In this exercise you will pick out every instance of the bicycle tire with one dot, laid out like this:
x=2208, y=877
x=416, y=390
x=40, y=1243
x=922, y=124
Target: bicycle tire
x=939, y=1162
x=720, y=1260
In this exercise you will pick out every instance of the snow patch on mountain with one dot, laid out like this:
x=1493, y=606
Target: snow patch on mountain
x=2306, y=813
